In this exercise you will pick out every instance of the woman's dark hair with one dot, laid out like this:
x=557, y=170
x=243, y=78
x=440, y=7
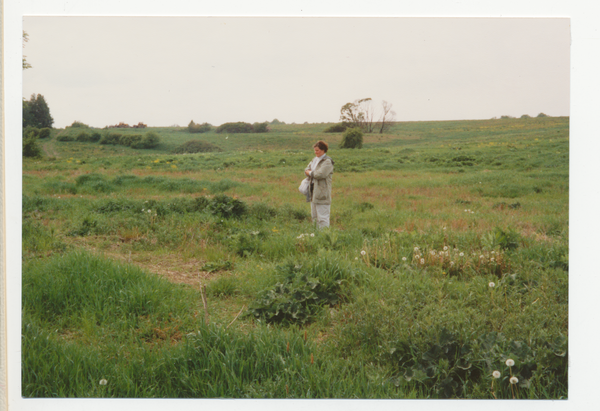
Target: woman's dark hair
x=322, y=145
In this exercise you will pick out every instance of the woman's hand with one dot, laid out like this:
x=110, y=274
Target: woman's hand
x=307, y=172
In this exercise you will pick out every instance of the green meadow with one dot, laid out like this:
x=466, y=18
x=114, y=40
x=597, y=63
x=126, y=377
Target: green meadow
x=150, y=274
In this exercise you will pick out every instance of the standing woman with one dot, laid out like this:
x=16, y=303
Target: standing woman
x=319, y=171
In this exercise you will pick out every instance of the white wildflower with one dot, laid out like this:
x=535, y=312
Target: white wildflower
x=363, y=252
x=510, y=362
x=103, y=382
x=312, y=234
x=422, y=261
x=492, y=259
x=445, y=247
x=496, y=374
x=416, y=249
x=451, y=263
x=403, y=258
x=514, y=380
x=492, y=284
x=462, y=254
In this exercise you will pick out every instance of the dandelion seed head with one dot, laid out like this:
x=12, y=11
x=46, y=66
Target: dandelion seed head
x=363, y=252
x=514, y=380
x=445, y=247
x=451, y=262
x=403, y=258
x=416, y=249
x=496, y=374
x=422, y=261
x=481, y=256
x=510, y=362
x=312, y=234
x=492, y=284
x=462, y=254
x=103, y=382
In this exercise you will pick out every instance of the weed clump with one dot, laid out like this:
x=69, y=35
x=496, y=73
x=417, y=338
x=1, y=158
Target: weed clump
x=303, y=289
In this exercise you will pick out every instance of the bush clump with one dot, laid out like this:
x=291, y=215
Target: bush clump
x=261, y=127
x=198, y=128
x=336, y=128
x=78, y=124
x=65, y=137
x=241, y=127
x=31, y=147
x=44, y=132
x=130, y=139
x=111, y=138
x=196, y=146
x=150, y=140
x=353, y=138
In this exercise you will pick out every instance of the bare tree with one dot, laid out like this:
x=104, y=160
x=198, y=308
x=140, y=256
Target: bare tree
x=362, y=114
x=387, y=116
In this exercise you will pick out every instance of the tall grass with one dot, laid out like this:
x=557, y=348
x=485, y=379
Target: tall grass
x=447, y=255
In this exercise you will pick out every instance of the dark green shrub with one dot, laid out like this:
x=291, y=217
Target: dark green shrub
x=336, y=128
x=261, y=127
x=353, y=138
x=31, y=147
x=64, y=137
x=95, y=137
x=111, y=138
x=130, y=140
x=83, y=136
x=150, y=140
x=196, y=146
x=239, y=127
x=542, y=115
x=198, y=128
x=78, y=124
x=44, y=132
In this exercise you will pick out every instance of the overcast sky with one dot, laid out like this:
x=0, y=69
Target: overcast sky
x=170, y=70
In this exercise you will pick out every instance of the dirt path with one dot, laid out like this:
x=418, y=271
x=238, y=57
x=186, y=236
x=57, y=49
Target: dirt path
x=48, y=147
x=170, y=266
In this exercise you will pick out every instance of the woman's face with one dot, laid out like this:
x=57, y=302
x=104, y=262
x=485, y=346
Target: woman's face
x=318, y=152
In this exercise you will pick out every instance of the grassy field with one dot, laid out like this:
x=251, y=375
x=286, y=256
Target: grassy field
x=160, y=275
